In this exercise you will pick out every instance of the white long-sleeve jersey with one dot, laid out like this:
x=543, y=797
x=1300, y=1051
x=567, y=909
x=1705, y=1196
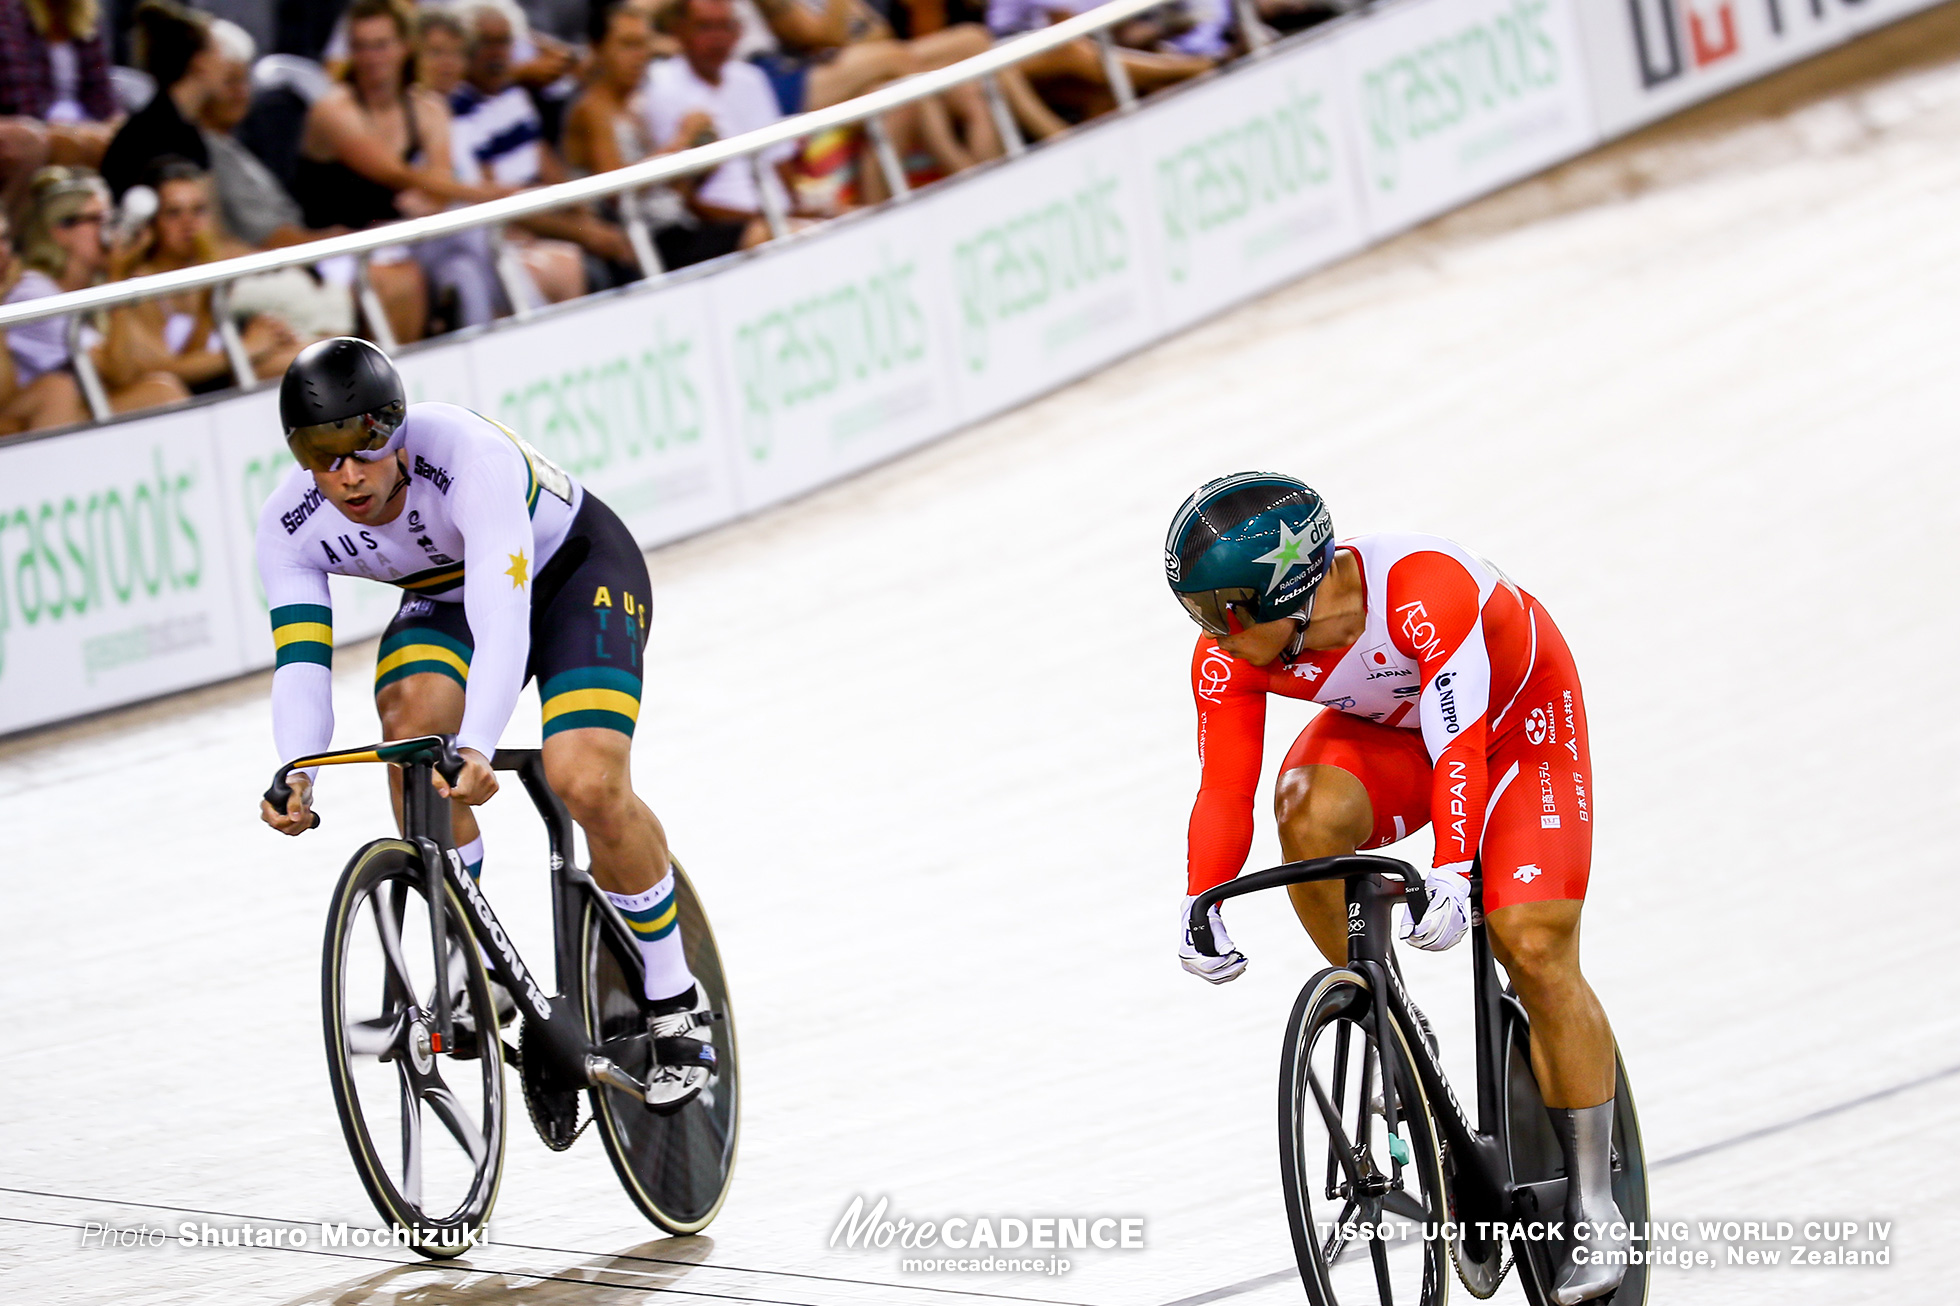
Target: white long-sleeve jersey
x=483, y=512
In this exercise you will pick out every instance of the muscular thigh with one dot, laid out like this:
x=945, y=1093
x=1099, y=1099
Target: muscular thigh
x=1538, y=838
x=1390, y=763
x=588, y=629
x=423, y=668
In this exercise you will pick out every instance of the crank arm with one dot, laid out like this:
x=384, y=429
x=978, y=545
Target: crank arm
x=603, y=1070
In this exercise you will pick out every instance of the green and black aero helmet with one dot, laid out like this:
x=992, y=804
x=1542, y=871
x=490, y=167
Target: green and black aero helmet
x=1258, y=543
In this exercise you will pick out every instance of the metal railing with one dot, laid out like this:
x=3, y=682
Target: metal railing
x=868, y=109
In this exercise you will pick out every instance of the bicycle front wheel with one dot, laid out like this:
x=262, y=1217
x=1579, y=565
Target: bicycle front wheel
x=429, y=1151
x=675, y=1166
x=1365, y=1203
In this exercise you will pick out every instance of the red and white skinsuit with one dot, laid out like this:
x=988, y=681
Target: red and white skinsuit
x=1459, y=704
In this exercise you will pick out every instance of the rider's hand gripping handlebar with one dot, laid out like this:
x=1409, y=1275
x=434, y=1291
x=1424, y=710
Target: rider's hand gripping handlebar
x=436, y=750
x=1306, y=872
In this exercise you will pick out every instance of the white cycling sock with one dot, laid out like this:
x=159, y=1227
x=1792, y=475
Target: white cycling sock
x=655, y=920
x=472, y=855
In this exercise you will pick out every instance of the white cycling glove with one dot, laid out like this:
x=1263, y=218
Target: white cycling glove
x=1229, y=964
x=1447, y=917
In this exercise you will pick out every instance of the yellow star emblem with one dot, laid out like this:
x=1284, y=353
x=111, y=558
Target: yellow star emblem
x=519, y=570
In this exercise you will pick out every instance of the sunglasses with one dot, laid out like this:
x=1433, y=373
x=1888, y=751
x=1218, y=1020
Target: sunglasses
x=324, y=446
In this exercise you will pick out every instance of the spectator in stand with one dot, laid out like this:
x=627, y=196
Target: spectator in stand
x=607, y=129
x=736, y=97
x=500, y=135
x=374, y=149
x=830, y=51
x=176, y=46
x=63, y=246
x=180, y=328
x=57, y=104
x=256, y=210
x=51, y=399
x=1072, y=75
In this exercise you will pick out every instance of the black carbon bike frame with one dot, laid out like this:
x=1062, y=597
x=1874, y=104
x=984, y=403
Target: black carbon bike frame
x=571, y=1059
x=1483, y=1187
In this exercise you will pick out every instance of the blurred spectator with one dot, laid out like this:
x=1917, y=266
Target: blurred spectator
x=256, y=210
x=607, y=129
x=51, y=399
x=735, y=96
x=62, y=246
x=1071, y=76
x=57, y=104
x=173, y=45
x=180, y=329
x=499, y=134
x=374, y=150
x=836, y=50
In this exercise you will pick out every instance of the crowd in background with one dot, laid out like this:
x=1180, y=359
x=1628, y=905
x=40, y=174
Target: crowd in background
x=142, y=136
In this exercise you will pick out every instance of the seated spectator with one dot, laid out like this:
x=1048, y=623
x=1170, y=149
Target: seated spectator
x=607, y=129
x=1072, y=75
x=181, y=328
x=736, y=97
x=51, y=399
x=62, y=246
x=174, y=46
x=375, y=149
x=256, y=210
x=499, y=134
x=57, y=104
x=836, y=50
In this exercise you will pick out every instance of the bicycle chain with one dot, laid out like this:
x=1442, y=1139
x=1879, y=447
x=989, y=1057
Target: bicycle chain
x=1456, y=1259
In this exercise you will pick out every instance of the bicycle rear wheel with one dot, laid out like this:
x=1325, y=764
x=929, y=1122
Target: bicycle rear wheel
x=1366, y=1206
x=429, y=1154
x=1535, y=1156
x=676, y=1167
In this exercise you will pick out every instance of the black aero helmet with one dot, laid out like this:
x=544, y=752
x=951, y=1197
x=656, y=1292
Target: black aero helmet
x=1259, y=542
x=340, y=398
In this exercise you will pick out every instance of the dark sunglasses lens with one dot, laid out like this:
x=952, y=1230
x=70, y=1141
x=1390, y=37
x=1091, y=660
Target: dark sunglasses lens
x=1212, y=608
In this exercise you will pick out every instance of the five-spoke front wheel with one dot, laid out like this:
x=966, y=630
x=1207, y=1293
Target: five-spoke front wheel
x=424, y=1122
x=1365, y=1201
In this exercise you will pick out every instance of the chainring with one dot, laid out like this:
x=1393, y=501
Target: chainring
x=554, y=1112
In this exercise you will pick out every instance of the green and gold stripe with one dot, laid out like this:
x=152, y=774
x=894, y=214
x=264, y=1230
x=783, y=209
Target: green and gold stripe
x=655, y=922
x=302, y=632
x=591, y=697
x=416, y=650
x=436, y=580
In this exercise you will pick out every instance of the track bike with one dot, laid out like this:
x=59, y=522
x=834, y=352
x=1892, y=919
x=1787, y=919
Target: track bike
x=414, y=1047
x=1385, y=1178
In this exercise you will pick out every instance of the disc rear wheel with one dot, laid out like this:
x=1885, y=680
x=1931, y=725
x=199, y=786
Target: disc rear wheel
x=676, y=1166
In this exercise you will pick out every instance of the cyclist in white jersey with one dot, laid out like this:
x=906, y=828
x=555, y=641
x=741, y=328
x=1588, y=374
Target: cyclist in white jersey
x=510, y=570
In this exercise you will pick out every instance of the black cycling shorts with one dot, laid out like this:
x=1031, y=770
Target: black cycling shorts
x=589, y=608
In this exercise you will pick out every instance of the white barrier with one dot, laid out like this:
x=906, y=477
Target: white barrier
x=126, y=564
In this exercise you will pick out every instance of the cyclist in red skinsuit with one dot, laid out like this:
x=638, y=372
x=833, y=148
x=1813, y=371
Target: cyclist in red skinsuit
x=1455, y=703
x=1455, y=660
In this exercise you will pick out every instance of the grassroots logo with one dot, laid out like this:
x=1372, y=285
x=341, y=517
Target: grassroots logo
x=824, y=343
x=1255, y=163
x=618, y=408
x=1034, y=258
x=1444, y=85
x=84, y=553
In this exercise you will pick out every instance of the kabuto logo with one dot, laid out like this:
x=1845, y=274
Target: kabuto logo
x=1446, y=701
x=1534, y=726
